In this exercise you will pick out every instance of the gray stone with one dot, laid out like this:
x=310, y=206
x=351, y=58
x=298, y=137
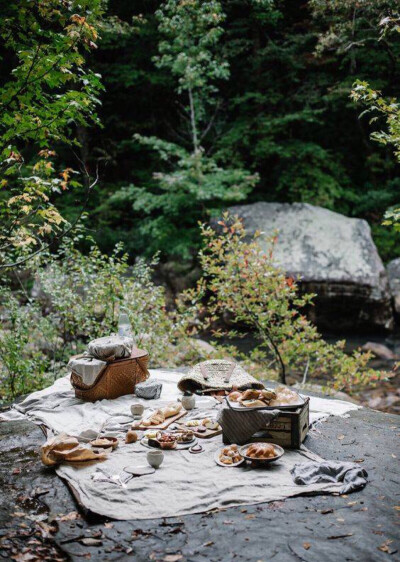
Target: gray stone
x=379, y=350
x=328, y=254
x=393, y=271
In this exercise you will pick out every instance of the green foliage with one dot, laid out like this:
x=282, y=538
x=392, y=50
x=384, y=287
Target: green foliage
x=76, y=299
x=46, y=93
x=191, y=182
x=278, y=104
x=22, y=365
x=240, y=283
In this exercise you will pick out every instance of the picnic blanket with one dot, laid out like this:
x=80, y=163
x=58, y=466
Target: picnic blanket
x=185, y=483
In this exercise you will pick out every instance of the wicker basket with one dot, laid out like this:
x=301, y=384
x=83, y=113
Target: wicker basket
x=116, y=379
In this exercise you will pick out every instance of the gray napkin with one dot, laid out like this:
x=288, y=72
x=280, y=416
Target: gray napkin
x=353, y=476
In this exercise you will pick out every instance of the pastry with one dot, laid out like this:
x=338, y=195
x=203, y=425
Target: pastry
x=210, y=424
x=155, y=419
x=254, y=403
x=131, y=437
x=284, y=396
x=192, y=423
x=230, y=455
x=225, y=459
x=234, y=396
x=267, y=394
x=171, y=409
x=261, y=451
x=250, y=394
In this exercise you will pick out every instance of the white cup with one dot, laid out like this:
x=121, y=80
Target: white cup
x=188, y=402
x=155, y=458
x=137, y=409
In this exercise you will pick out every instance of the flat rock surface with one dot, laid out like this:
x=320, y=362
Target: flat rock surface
x=39, y=519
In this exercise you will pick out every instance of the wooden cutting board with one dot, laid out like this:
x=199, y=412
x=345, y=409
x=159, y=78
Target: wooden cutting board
x=165, y=424
x=202, y=435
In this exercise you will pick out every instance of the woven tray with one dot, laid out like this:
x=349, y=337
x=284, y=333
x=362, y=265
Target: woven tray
x=117, y=378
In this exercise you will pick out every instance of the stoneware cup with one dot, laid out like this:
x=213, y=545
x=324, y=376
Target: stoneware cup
x=155, y=458
x=188, y=402
x=137, y=409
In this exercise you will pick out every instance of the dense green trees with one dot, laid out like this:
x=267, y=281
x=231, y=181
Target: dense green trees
x=47, y=93
x=283, y=113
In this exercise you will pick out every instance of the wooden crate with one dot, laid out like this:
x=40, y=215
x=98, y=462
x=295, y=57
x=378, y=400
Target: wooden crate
x=288, y=430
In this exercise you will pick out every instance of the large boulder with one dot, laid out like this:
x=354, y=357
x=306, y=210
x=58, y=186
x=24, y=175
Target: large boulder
x=331, y=255
x=393, y=270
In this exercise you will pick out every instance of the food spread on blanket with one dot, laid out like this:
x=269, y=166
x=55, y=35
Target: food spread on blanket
x=254, y=398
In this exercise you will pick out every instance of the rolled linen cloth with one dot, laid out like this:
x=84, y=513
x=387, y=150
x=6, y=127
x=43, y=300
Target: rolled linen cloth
x=110, y=348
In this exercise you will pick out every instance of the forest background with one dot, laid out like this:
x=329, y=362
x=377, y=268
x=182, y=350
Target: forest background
x=281, y=111
x=123, y=125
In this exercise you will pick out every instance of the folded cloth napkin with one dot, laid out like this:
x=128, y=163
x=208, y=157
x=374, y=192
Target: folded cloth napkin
x=353, y=476
x=239, y=427
x=88, y=368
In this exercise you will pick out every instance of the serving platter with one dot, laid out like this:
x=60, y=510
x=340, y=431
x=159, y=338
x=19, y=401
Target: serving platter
x=207, y=434
x=261, y=462
x=179, y=446
x=238, y=407
x=216, y=458
x=163, y=425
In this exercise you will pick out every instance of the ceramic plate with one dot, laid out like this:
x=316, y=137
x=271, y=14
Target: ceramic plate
x=216, y=458
x=278, y=450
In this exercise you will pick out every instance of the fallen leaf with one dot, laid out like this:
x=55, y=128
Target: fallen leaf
x=397, y=507
x=71, y=516
x=359, y=460
x=332, y=537
x=352, y=503
x=89, y=541
x=209, y=543
x=384, y=547
x=306, y=545
x=326, y=511
x=340, y=437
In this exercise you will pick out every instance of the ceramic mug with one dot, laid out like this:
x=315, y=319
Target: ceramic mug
x=188, y=401
x=137, y=409
x=155, y=458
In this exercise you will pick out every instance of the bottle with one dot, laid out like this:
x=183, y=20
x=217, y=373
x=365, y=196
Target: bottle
x=124, y=325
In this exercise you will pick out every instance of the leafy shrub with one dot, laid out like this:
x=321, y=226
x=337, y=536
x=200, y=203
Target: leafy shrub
x=22, y=364
x=77, y=298
x=240, y=283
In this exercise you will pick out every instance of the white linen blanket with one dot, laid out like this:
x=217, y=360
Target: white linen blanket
x=185, y=483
